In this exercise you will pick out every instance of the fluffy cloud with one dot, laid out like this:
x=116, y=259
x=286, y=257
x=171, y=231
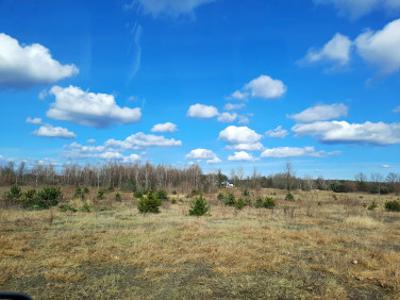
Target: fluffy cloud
x=24, y=66
x=397, y=109
x=173, y=8
x=203, y=154
x=54, y=132
x=239, y=135
x=140, y=140
x=226, y=117
x=358, y=8
x=76, y=150
x=202, y=111
x=278, y=132
x=321, y=113
x=381, y=48
x=343, y=132
x=90, y=109
x=241, y=156
x=234, y=106
x=262, y=87
x=247, y=147
x=34, y=121
x=284, y=152
x=336, y=51
x=164, y=127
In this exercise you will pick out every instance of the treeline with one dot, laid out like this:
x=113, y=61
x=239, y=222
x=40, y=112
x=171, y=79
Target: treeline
x=145, y=177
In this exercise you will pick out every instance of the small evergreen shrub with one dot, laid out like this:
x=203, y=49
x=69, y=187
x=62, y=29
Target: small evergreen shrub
x=100, y=194
x=85, y=208
x=67, y=207
x=392, y=205
x=42, y=199
x=149, y=204
x=229, y=200
x=240, y=203
x=267, y=202
x=162, y=195
x=118, y=197
x=81, y=192
x=199, y=207
x=14, y=194
x=289, y=197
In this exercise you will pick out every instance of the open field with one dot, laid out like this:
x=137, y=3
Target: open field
x=322, y=246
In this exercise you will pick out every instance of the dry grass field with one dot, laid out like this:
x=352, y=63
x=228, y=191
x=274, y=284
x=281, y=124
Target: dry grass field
x=322, y=246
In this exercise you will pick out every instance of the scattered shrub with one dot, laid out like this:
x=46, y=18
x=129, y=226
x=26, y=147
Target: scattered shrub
x=85, y=208
x=392, y=205
x=42, y=199
x=372, y=206
x=118, y=197
x=199, y=207
x=229, y=200
x=289, y=197
x=14, y=194
x=246, y=193
x=267, y=202
x=174, y=192
x=67, y=207
x=173, y=200
x=240, y=203
x=100, y=194
x=81, y=192
x=162, y=195
x=149, y=204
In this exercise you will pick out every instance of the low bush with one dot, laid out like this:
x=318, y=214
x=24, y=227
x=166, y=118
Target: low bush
x=229, y=200
x=138, y=194
x=267, y=202
x=67, y=207
x=392, y=205
x=162, y=195
x=42, y=199
x=220, y=196
x=118, y=197
x=81, y=192
x=100, y=194
x=85, y=208
x=246, y=193
x=149, y=204
x=14, y=193
x=289, y=197
x=199, y=207
x=240, y=203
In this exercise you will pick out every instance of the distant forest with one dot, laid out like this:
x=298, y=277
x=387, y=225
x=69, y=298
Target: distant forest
x=145, y=177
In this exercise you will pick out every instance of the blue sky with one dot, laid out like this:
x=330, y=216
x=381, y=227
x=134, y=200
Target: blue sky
x=226, y=84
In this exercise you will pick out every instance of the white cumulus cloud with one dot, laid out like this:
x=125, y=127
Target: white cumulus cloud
x=239, y=135
x=164, y=127
x=234, y=106
x=337, y=52
x=203, y=154
x=241, y=156
x=34, y=121
x=89, y=109
x=285, y=152
x=28, y=65
x=54, y=132
x=202, y=111
x=381, y=48
x=141, y=140
x=262, y=87
x=226, y=117
x=278, y=132
x=321, y=113
x=379, y=133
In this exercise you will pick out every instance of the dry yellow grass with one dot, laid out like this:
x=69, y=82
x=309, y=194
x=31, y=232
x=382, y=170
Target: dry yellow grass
x=314, y=248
